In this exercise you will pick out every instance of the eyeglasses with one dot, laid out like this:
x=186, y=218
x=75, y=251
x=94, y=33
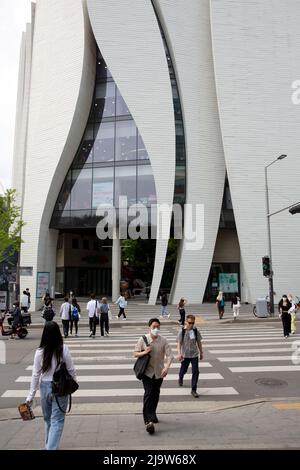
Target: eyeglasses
x=191, y=323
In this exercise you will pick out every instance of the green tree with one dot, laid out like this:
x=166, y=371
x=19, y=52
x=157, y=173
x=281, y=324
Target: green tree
x=11, y=224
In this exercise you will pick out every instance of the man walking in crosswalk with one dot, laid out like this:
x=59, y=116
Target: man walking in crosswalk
x=189, y=346
x=159, y=350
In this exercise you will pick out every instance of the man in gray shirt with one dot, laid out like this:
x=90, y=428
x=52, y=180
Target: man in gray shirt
x=188, y=347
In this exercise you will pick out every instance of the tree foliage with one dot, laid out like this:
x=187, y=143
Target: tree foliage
x=10, y=225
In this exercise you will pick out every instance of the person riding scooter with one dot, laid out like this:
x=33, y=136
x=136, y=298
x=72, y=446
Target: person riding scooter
x=17, y=319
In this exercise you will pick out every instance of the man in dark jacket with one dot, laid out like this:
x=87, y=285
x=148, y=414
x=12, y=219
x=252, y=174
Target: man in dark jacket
x=17, y=318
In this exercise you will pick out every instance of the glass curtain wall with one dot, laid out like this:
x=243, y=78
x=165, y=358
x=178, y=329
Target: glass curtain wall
x=111, y=160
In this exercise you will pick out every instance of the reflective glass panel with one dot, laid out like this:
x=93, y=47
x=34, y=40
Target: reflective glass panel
x=105, y=100
x=104, y=142
x=125, y=184
x=125, y=140
x=146, y=193
x=64, y=198
x=122, y=109
x=81, y=193
x=103, y=190
x=141, y=150
x=85, y=152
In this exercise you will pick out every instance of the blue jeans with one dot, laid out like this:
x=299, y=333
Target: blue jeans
x=164, y=312
x=195, y=370
x=54, y=418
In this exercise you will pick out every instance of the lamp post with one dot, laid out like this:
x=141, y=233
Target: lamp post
x=271, y=290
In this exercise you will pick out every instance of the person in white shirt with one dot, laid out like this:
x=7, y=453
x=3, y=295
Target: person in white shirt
x=65, y=313
x=24, y=302
x=92, y=308
x=51, y=352
x=122, y=304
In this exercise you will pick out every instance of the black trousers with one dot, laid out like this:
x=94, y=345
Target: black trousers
x=195, y=370
x=104, y=323
x=92, y=325
x=151, y=397
x=75, y=322
x=286, y=323
x=182, y=315
x=65, y=324
x=122, y=312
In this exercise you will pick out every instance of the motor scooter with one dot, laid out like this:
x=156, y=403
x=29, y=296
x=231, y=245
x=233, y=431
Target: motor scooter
x=20, y=331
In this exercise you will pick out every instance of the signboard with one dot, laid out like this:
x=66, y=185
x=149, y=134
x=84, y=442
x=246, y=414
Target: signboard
x=3, y=299
x=42, y=284
x=228, y=282
x=26, y=270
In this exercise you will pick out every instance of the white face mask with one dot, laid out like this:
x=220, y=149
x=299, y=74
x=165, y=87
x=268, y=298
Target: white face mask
x=155, y=332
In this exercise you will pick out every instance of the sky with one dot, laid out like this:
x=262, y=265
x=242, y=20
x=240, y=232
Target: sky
x=14, y=14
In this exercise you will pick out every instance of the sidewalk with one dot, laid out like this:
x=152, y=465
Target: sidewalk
x=256, y=424
x=138, y=313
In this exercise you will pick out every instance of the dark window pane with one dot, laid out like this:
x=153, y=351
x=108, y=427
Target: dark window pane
x=125, y=140
x=102, y=70
x=75, y=244
x=125, y=184
x=104, y=142
x=105, y=100
x=96, y=245
x=85, y=154
x=103, y=188
x=82, y=189
x=146, y=193
x=64, y=199
x=86, y=244
x=122, y=109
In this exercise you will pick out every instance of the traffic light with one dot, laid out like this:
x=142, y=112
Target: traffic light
x=266, y=266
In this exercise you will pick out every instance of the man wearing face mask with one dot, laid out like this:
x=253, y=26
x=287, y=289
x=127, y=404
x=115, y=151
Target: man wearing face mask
x=159, y=350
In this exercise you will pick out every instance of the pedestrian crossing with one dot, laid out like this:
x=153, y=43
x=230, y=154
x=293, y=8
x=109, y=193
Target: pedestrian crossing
x=105, y=364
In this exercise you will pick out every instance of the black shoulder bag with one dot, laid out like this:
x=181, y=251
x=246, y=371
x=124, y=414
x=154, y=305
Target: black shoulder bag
x=63, y=384
x=141, y=363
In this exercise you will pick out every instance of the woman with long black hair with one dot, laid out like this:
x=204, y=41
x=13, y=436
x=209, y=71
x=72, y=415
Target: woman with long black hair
x=51, y=352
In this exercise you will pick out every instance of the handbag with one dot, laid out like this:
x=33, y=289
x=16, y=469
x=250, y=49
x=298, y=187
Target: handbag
x=26, y=412
x=141, y=363
x=63, y=384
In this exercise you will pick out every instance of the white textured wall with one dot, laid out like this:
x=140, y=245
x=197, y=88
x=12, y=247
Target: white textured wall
x=256, y=47
x=128, y=36
x=62, y=82
x=187, y=28
x=19, y=159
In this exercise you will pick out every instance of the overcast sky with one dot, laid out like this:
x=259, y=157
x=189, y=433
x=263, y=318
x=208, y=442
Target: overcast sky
x=13, y=17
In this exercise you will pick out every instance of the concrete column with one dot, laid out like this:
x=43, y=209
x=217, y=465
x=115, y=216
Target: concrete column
x=116, y=265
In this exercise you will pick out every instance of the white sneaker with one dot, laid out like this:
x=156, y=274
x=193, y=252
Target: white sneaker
x=168, y=316
x=124, y=318
x=91, y=334
x=117, y=317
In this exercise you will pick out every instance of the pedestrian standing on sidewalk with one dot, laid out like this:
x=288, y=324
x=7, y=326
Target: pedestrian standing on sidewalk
x=220, y=302
x=292, y=312
x=122, y=302
x=65, y=313
x=24, y=302
x=75, y=316
x=92, y=308
x=182, y=303
x=284, y=307
x=29, y=297
x=235, y=305
x=159, y=350
x=104, y=320
x=189, y=346
x=47, y=356
x=164, y=303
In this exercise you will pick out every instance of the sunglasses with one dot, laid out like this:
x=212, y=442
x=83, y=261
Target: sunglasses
x=191, y=323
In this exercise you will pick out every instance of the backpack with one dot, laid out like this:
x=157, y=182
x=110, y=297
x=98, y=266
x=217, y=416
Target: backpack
x=48, y=313
x=222, y=303
x=63, y=384
x=194, y=330
x=75, y=313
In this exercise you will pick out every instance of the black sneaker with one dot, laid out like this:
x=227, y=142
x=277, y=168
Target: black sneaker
x=195, y=394
x=150, y=428
x=155, y=420
x=180, y=383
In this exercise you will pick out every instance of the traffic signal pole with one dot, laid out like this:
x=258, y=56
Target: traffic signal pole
x=271, y=289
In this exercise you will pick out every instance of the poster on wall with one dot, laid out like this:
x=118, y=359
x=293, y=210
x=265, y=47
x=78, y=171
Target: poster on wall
x=228, y=282
x=42, y=284
x=3, y=299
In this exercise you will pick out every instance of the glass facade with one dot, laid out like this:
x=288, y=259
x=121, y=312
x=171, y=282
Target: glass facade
x=111, y=160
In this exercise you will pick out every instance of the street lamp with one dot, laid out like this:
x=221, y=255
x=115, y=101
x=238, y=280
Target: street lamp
x=271, y=290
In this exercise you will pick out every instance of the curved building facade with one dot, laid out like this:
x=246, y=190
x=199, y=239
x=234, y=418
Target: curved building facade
x=159, y=102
